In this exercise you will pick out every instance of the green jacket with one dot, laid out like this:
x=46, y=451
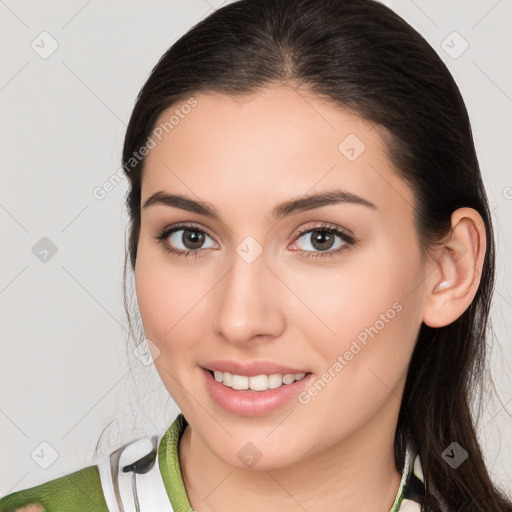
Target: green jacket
x=151, y=482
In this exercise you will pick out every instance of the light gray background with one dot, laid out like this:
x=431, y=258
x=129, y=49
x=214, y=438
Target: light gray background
x=64, y=373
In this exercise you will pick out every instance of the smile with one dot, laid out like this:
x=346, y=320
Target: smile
x=253, y=395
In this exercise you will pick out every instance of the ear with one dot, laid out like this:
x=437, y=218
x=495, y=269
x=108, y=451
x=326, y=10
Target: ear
x=453, y=281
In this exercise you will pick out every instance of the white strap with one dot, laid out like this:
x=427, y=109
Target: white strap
x=123, y=491
x=409, y=506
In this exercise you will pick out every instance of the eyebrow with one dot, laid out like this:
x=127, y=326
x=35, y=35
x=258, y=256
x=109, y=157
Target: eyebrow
x=296, y=205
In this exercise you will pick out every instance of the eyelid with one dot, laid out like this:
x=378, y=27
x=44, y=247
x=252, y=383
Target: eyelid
x=187, y=225
x=301, y=231
x=344, y=233
x=348, y=240
x=326, y=225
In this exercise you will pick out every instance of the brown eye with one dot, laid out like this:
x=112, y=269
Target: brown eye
x=184, y=240
x=322, y=241
x=192, y=239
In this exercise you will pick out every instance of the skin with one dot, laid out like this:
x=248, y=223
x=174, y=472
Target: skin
x=244, y=156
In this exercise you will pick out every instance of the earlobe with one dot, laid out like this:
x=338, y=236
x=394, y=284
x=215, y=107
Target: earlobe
x=453, y=283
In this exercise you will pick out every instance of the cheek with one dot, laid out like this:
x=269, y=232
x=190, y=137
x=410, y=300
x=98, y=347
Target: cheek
x=369, y=306
x=374, y=312
x=166, y=299
x=164, y=294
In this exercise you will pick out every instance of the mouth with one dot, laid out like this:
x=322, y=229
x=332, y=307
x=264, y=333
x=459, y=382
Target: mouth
x=253, y=395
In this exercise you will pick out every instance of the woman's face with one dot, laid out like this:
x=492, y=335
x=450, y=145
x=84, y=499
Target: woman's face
x=263, y=294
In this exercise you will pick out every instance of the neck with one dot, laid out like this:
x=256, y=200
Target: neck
x=357, y=473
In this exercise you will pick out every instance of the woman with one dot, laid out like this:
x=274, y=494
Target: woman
x=314, y=263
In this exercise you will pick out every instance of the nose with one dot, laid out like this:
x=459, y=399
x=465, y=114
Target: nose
x=247, y=302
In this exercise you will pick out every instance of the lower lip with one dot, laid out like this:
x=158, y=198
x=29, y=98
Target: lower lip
x=252, y=403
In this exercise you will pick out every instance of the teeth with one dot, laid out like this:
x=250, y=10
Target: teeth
x=240, y=382
x=275, y=380
x=257, y=382
x=227, y=379
x=288, y=378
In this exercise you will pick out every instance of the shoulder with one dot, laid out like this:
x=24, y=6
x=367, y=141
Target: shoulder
x=144, y=471
x=81, y=490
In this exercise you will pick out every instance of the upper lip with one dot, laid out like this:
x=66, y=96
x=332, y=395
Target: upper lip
x=251, y=368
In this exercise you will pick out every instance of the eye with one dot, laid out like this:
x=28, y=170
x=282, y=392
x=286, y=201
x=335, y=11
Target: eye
x=190, y=237
x=323, y=239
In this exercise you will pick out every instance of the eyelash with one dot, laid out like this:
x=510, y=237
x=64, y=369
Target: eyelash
x=328, y=228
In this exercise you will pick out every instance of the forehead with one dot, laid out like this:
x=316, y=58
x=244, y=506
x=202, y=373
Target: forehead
x=276, y=143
